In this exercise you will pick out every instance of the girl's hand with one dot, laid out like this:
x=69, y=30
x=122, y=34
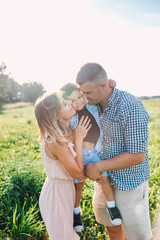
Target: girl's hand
x=100, y=179
x=92, y=172
x=82, y=128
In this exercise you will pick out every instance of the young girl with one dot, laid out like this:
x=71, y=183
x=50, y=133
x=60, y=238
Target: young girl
x=61, y=163
x=91, y=148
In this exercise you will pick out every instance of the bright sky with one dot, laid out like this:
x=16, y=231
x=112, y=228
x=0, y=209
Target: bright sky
x=49, y=40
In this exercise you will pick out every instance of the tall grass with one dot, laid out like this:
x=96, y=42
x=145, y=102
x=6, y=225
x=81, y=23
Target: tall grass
x=153, y=107
x=22, y=177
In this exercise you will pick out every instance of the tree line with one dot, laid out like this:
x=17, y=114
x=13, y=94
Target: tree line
x=11, y=91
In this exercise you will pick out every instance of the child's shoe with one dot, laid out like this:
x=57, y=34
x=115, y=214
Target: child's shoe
x=115, y=216
x=78, y=224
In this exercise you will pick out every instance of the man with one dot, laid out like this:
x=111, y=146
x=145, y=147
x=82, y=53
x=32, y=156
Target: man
x=124, y=122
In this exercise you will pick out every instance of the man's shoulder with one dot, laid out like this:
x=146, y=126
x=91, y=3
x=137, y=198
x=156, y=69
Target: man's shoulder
x=126, y=99
x=126, y=96
x=129, y=102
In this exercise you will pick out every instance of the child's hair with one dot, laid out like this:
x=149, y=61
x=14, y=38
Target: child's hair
x=47, y=112
x=67, y=89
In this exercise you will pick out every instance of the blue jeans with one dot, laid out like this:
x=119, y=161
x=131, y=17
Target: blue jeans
x=90, y=156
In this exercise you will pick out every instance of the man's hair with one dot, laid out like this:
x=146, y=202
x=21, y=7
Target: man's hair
x=91, y=72
x=67, y=90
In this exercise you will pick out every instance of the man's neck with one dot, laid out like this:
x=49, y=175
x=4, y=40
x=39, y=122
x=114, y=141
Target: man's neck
x=104, y=103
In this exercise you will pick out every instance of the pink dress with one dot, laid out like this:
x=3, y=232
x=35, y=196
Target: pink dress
x=57, y=199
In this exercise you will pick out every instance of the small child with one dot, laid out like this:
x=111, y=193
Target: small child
x=91, y=147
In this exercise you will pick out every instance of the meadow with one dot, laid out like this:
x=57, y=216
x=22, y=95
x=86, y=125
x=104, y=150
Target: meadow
x=22, y=177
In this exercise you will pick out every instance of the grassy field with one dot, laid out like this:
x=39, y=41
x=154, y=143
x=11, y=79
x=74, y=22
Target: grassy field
x=22, y=177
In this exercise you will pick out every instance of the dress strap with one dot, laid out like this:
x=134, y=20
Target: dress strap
x=71, y=147
x=45, y=138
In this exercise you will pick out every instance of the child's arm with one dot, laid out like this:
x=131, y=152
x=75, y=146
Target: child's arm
x=73, y=123
x=112, y=83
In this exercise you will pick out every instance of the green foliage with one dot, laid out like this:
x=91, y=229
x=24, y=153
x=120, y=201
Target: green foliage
x=31, y=91
x=11, y=91
x=8, y=89
x=92, y=229
x=153, y=107
x=22, y=177
x=25, y=222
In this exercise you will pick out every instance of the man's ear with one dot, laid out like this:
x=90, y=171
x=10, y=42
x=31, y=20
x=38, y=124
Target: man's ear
x=104, y=84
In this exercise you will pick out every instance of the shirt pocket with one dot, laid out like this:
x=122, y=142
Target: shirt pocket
x=113, y=137
x=114, y=131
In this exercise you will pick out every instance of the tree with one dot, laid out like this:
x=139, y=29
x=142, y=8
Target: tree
x=13, y=94
x=31, y=91
x=12, y=91
x=3, y=88
x=9, y=88
x=2, y=67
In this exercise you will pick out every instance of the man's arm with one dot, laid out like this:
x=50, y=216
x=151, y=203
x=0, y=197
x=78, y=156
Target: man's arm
x=124, y=160
x=135, y=139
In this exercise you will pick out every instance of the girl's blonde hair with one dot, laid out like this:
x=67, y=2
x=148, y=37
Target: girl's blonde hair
x=52, y=128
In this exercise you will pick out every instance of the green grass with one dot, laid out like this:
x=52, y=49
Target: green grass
x=153, y=107
x=22, y=177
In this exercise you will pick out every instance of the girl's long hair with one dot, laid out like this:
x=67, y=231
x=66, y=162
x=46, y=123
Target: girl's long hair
x=52, y=128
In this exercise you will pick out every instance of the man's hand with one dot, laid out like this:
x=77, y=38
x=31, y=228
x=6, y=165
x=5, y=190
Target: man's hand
x=92, y=172
x=100, y=180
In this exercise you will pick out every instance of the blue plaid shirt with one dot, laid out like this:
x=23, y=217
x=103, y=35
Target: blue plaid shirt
x=124, y=125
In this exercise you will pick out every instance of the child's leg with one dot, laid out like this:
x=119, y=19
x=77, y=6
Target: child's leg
x=107, y=188
x=78, y=224
x=113, y=211
x=114, y=214
x=78, y=186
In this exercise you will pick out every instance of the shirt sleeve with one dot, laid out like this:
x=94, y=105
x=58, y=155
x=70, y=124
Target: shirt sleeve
x=73, y=122
x=136, y=129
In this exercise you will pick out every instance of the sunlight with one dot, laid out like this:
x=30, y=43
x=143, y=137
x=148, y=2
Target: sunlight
x=51, y=47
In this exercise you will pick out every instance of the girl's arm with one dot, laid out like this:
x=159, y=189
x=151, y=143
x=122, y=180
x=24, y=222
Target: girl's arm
x=65, y=156
x=74, y=166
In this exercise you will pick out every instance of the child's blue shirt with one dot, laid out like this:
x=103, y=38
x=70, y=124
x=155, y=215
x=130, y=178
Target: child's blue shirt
x=93, y=109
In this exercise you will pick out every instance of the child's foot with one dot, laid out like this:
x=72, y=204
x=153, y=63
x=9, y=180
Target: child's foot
x=115, y=216
x=78, y=224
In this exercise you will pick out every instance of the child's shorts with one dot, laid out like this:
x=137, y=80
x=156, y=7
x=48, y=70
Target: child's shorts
x=90, y=156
